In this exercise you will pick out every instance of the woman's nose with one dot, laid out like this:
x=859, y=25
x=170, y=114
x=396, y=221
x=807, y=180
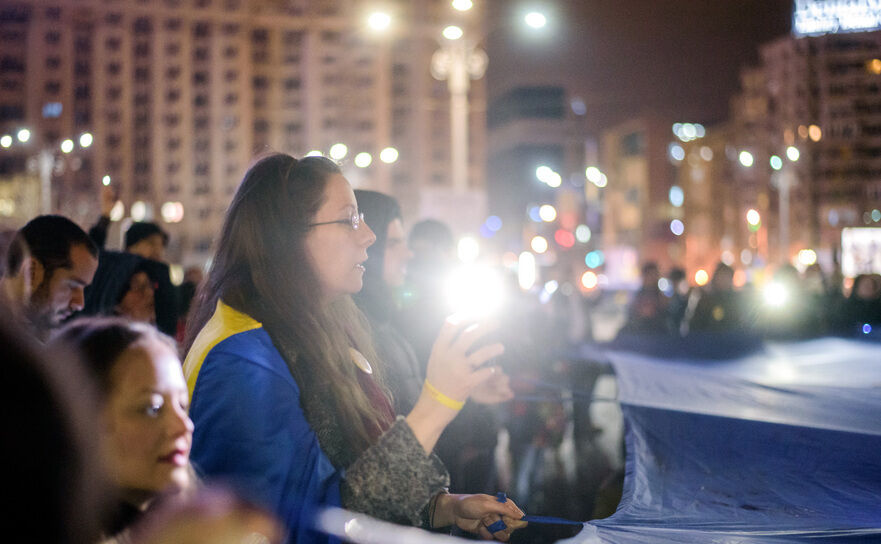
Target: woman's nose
x=368, y=234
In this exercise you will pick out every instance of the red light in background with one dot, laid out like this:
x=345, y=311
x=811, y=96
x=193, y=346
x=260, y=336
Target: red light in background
x=564, y=238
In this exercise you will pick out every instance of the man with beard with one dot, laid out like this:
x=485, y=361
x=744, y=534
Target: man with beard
x=50, y=262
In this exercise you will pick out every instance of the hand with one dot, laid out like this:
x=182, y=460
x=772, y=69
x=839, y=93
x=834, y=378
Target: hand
x=494, y=391
x=453, y=368
x=108, y=200
x=474, y=513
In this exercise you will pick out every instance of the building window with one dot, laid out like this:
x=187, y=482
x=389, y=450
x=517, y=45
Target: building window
x=201, y=30
x=113, y=43
x=173, y=24
x=53, y=62
x=53, y=37
x=53, y=13
x=52, y=87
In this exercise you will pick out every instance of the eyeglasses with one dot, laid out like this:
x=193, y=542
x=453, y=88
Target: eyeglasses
x=354, y=221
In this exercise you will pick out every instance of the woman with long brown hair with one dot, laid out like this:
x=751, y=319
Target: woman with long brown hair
x=287, y=393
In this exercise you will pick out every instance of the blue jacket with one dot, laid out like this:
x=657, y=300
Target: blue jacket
x=250, y=430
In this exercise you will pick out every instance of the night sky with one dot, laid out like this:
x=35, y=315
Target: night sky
x=625, y=57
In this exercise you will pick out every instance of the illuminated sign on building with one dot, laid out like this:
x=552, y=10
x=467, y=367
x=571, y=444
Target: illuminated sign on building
x=860, y=251
x=813, y=17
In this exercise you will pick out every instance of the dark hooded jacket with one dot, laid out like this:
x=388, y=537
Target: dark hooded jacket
x=376, y=299
x=111, y=281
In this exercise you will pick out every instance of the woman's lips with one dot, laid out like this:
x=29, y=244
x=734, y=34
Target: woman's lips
x=177, y=458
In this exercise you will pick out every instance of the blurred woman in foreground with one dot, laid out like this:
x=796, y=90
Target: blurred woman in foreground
x=143, y=402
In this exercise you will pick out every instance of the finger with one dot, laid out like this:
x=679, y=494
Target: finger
x=450, y=330
x=473, y=333
x=482, y=375
x=484, y=534
x=484, y=354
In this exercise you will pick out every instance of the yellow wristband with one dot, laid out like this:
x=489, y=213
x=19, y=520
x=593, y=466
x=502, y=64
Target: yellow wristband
x=443, y=399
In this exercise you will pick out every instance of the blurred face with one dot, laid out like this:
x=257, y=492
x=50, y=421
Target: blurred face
x=60, y=293
x=336, y=249
x=137, y=303
x=396, y=255
x=151, y=247
x=148, y=432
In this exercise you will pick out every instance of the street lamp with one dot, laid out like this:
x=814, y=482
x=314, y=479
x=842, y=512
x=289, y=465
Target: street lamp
x=458, y=61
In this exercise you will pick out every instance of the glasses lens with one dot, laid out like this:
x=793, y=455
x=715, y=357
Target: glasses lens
x=356, y=220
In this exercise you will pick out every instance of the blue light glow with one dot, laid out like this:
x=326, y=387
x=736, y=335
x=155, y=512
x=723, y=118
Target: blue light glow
x=867, y=328
x=534, y=215
x=494, y=223
x=594, y=259
x=677, y=196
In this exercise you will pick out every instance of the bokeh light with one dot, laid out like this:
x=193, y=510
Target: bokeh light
x=363, y=159
x=753, y=218
x=582, y=233
x=535, y=19
x=547, y=213
x=86, y=139
x=677, y=196
x=792, y=153
x=379, y=20
x=807, y=257
x=589, y=279
x=474, y=291
x=388, y=155
x=776, y=162
x=139, y=210
x=706, y=153
x=677, y=227
x=453, y=32
x=564, y=238
x=746, y=158
x=539, y=244
x=701, y=277
x=5, y=140
x=105, y=180
x=594, y=259
x=677, y=153
x=24, y=135
x=338, y=151
x=67, y=146
x=776, y=294
x=493, y=223
x=814, y=133
x=526, y=270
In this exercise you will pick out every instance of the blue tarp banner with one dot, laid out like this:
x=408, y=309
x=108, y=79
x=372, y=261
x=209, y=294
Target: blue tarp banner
x=782, y=444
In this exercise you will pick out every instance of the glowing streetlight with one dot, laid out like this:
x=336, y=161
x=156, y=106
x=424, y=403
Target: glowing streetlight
x=24, y=135
x=363, y=160
x=792, y=153
x=105, y=180
x=6, y=141
x=388, y=155
x=86, y=139
x=535, y=19
x=338, y=151
x=379, y=21
x=453, y=32
x=753, y=219
x=67, y=146
x=746, y=158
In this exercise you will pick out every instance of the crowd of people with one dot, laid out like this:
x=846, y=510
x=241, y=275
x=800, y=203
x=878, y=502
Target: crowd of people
x=314, y=365
x=289, y=398
x=792, y=305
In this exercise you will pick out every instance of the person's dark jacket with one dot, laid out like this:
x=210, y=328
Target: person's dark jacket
x=403, y=371
x=111, y=281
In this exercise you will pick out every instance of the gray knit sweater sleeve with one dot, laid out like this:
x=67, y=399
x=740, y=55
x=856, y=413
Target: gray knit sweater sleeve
x=394, y=479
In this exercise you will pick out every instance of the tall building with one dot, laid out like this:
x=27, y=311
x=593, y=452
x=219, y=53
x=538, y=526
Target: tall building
x=181, y=95
x=637, y=214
